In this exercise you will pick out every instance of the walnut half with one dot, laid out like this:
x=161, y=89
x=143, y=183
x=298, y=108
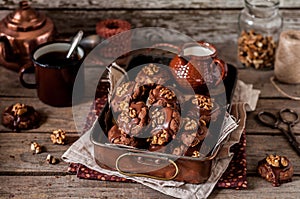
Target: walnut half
x=36, y=147
x=58, y=136
x=19, y=109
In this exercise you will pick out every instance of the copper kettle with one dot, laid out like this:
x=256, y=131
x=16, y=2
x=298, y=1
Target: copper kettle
x=20, y=32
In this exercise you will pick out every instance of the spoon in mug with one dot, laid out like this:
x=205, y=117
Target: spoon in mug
x=74, y=43
x=91, y=41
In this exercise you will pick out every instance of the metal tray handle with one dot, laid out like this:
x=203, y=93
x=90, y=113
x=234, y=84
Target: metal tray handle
x=145, y=175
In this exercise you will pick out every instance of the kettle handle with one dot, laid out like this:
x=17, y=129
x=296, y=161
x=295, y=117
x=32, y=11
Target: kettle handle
x=6, y=54
x=22, y=71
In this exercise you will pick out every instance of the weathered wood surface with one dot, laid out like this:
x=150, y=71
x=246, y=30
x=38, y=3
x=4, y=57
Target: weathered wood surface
x=20, y=160
x=227, y=52
x=71, y=187
x=138, y=4
x=211, y=23
x=52, y=118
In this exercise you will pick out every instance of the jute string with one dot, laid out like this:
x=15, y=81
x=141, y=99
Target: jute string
x=287, y=62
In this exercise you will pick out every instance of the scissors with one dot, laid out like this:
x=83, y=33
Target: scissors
x=286, y=116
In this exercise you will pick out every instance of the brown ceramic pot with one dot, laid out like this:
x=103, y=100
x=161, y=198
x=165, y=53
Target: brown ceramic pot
x=197, y=66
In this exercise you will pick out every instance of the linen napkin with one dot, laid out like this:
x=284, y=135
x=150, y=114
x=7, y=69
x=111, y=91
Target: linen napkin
x=247, y=94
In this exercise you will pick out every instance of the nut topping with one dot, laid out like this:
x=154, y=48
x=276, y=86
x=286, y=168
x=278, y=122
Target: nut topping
x=161, y=138
x=132, y=112
x=19, y=109
x=124, y=105
x=190, y=125
x=196, y=154
x=151, y=69
x=203, y=102
x=158, y=118
x=122, y=89
x=273, y=160
x=284, y=162
x=167, y=93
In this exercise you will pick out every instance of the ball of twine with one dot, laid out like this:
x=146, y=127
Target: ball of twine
x=287, y=62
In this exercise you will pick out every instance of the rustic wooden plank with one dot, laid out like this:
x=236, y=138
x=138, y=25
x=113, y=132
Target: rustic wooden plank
x=63, y=118
x=261, y=81
x=150, y=4
x=254, y=126
x=19, y=159
x=259, y=146
x=15, y=150
x=72, y=187
x=11, y=86
x=195, y=23
x=211, y=25
x=259, y=188
x=52, y=117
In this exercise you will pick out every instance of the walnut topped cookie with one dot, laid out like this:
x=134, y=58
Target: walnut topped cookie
x=153, y=74
x=163, y=96
x=133, y=119
x=126, y=92
x=276, y=169
x=20, y=117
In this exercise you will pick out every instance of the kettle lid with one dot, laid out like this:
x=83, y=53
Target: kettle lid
x=24, y=18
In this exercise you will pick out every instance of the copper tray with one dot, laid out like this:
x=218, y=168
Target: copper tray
x=138, y=162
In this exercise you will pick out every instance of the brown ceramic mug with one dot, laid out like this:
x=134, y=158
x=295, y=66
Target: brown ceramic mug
x=54, y=74
x=197, y=65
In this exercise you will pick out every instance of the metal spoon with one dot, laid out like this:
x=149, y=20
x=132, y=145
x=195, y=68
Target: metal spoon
x=89, y=42
x=75, y=43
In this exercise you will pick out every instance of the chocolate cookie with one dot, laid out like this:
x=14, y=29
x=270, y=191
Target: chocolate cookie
x=202, y=107
x=127, y=92
x=20, y=117
x=153, y=74
x=163, y=96
x=276, y=169
x=116, y=136
x=164, y=124
x=192, y=131
x=133, y=119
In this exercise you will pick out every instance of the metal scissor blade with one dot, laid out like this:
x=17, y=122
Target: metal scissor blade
x=292, y=140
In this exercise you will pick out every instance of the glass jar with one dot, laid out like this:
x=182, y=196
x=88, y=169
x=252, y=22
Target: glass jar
x=260, y=25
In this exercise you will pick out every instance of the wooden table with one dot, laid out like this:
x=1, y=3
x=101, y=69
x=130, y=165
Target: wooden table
x=24, y=175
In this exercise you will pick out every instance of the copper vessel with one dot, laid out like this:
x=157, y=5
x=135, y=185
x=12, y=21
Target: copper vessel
x=20, y=32
x=131, y=161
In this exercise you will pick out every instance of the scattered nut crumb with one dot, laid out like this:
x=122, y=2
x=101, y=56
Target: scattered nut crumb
x=51, y=160
x=35, y=147
x=58, y=137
